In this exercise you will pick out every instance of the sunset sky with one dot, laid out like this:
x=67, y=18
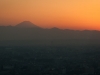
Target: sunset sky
x=64, y=14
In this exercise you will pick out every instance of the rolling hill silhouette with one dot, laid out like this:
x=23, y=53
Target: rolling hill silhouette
x=27, y=32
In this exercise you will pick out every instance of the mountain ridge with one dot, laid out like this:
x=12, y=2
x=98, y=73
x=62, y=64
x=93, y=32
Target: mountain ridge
x=28, y=24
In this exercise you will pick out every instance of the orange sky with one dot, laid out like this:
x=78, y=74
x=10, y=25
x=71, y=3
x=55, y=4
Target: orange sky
x=73, y=14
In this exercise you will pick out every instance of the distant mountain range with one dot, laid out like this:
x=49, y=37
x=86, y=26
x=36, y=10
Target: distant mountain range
x=27, y=31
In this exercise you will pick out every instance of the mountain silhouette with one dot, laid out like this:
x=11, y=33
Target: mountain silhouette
x=32, y=34
x=26, y=24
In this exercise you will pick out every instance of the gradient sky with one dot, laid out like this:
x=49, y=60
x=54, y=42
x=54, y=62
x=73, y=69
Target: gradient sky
x=73, y=14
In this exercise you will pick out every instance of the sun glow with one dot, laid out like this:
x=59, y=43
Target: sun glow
x=74, y=14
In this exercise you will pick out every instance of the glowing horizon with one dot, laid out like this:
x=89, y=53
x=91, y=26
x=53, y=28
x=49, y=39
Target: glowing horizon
x=64, y=14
